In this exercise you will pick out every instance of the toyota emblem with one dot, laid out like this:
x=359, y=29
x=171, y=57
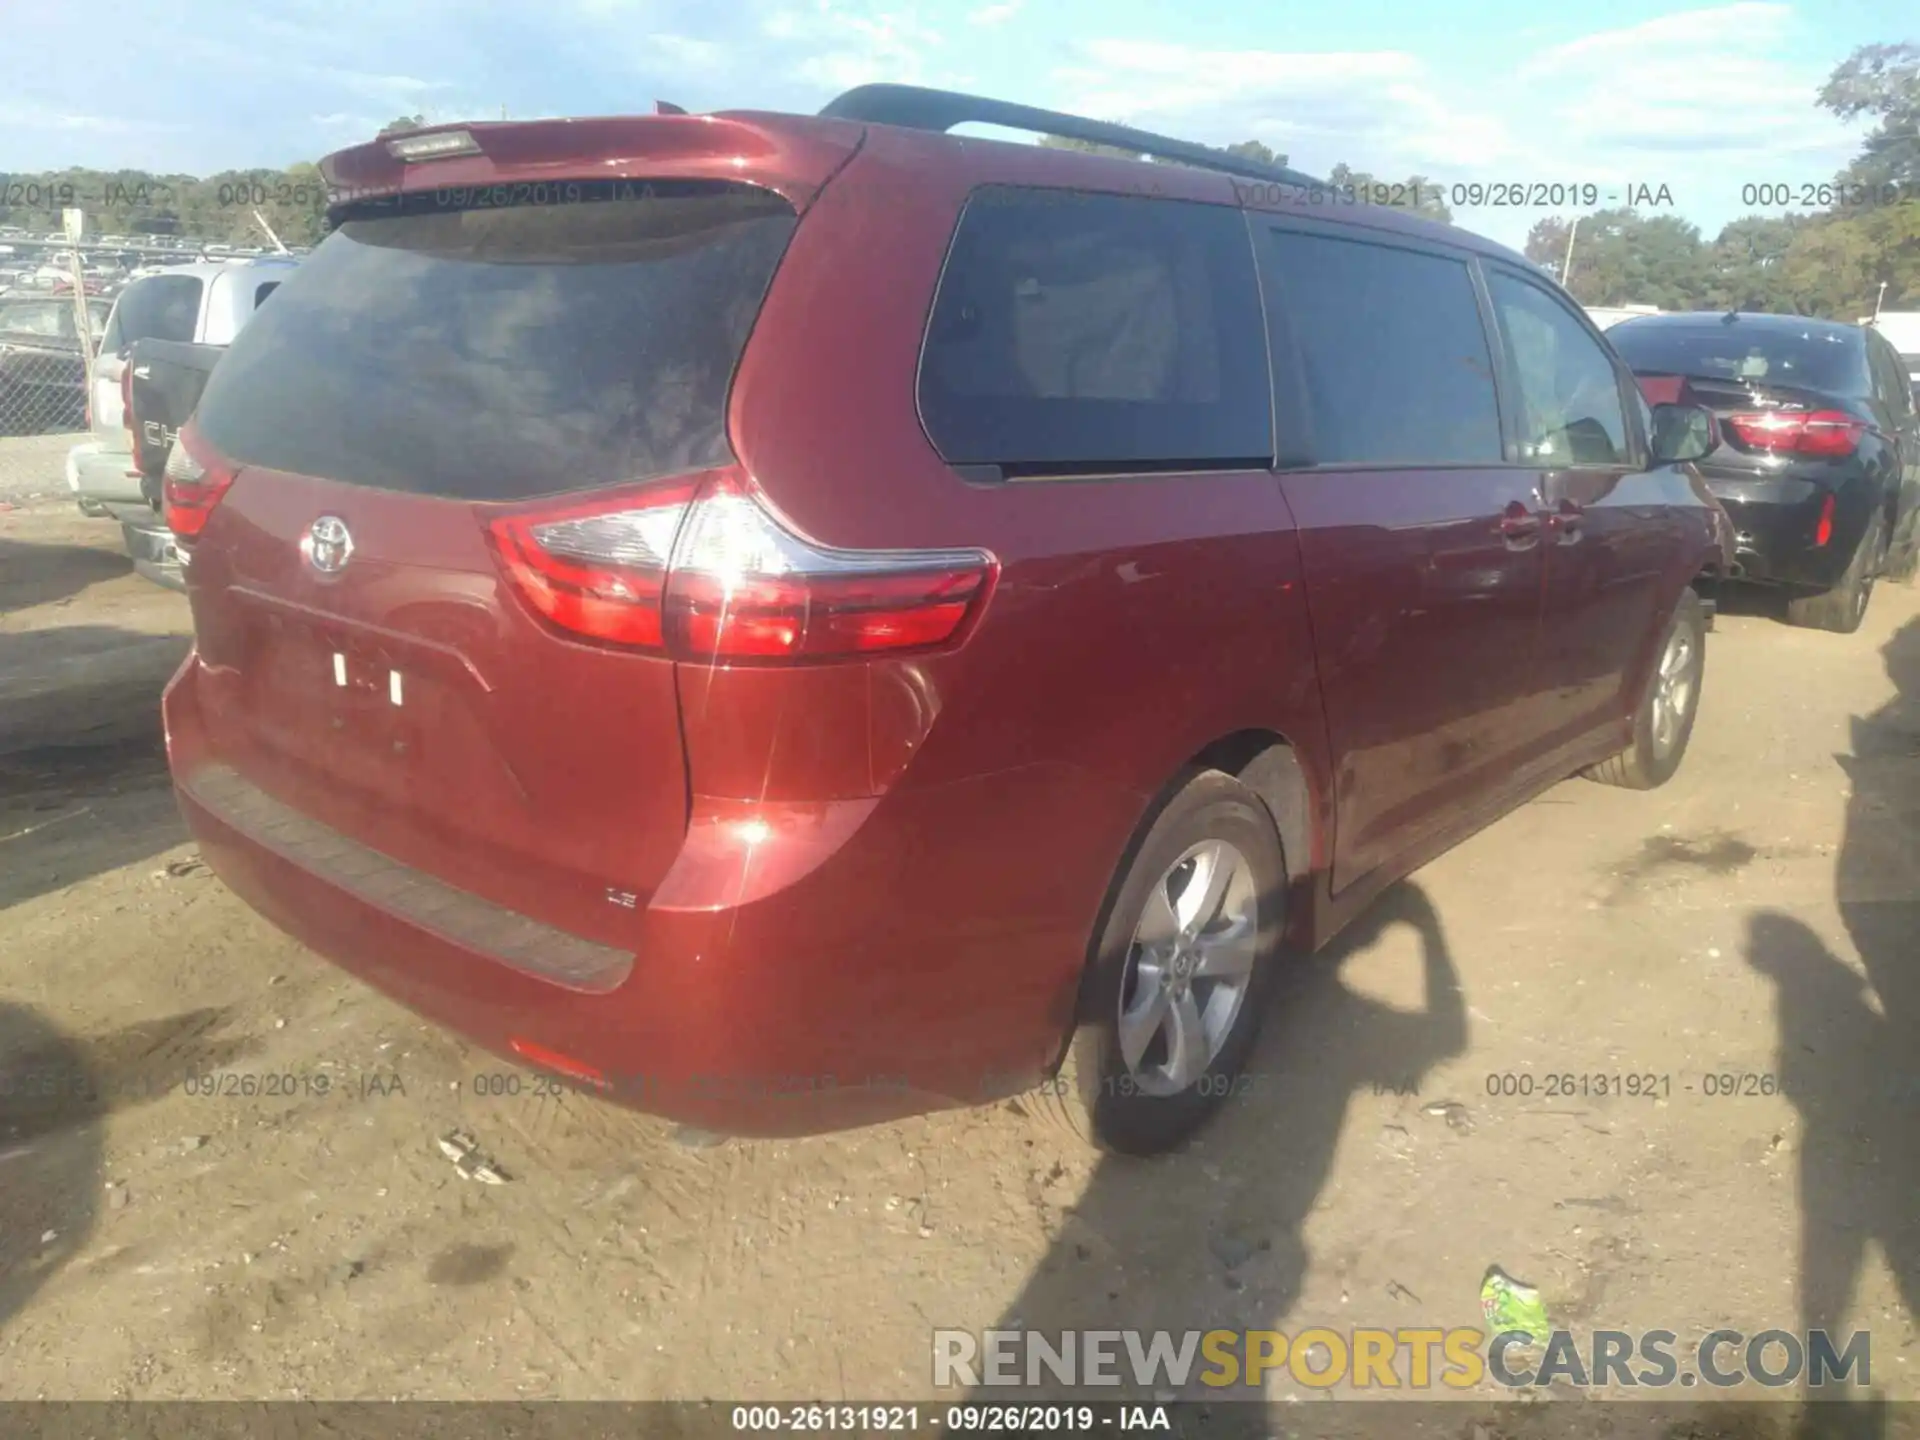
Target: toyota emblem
x=327, y=545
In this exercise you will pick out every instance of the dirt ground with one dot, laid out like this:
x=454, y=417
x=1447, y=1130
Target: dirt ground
x=1759, y=917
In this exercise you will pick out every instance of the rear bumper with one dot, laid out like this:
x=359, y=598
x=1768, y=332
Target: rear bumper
x=103, y=477
x=794, y=1013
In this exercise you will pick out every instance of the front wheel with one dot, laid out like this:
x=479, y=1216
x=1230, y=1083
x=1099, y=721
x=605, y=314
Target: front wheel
x=1663, y=724
x=1179, y=973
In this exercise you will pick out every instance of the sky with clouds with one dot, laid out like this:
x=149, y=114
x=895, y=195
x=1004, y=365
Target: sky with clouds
x=1702, y=100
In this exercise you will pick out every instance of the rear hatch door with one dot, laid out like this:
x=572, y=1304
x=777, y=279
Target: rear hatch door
x=443, y=358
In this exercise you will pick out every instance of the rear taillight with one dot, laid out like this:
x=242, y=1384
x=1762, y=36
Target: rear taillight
x=1803, y=432
x=600, y=569
x=192, y=484
x=703, y=571
x=1823, y=531
x=126, y=402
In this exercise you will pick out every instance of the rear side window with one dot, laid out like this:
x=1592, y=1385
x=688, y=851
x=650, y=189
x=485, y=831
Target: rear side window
x=264, y=291
x=1108, y=334
x=160, y=307
x=1569, y=392
x=1815, y=356
x=1392, y=351
x=504, y=352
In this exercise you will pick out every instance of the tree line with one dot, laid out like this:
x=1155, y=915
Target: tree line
x=1831, y=259
x=217, y=209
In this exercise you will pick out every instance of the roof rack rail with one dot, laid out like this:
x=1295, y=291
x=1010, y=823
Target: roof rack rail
x=919, y=108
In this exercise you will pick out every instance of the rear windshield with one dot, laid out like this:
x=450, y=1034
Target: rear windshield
x=503, y=352
x=160, y=307
x=1816, y=358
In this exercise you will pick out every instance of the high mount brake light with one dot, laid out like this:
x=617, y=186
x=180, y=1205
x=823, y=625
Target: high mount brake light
x=700, y=569
x=1830, y=433
x=443, y=145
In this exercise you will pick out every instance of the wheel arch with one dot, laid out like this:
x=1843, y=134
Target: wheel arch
x=1269, y=765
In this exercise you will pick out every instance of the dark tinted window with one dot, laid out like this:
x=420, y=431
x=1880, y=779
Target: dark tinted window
x=1393, y=353
x=1816, y=356
x=1569, y=392
x=504, y=352
x=160, y=307
x=1096, y=332
x=264, y=291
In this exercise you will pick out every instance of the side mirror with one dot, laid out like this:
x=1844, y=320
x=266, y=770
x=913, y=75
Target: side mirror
x=1683, y=432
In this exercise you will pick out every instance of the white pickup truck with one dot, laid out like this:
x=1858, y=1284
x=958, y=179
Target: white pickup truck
x=205, y=303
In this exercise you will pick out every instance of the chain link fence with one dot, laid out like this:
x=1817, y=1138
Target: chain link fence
x=43, y=414
x=47, y=341
x=43, y=392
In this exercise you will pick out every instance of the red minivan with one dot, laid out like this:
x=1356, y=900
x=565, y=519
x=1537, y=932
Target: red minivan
x=789, y=621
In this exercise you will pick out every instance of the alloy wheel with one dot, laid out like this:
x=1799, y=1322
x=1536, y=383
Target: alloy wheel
x=1673, y=687
x=1189, y=967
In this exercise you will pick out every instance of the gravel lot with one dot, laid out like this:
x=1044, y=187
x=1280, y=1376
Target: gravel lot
x=34, y=466
x=1758, y=917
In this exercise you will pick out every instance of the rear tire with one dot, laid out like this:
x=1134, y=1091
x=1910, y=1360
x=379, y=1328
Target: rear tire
x=1135, y=1085
x=1842, y=608
x=1663, y=723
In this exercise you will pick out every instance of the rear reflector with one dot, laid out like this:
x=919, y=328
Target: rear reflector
x=1823, y=532
x=441, y=145
x=560, y=1064
x=193, y=482
x=701, y=570
x=1804, y=432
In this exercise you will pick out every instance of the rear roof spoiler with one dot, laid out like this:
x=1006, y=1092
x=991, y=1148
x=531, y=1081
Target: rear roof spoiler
x=918, y=108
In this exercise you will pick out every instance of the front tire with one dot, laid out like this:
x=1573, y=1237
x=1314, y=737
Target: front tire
x=1842, y=608
x=1663, y=725
x=1179, y=974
